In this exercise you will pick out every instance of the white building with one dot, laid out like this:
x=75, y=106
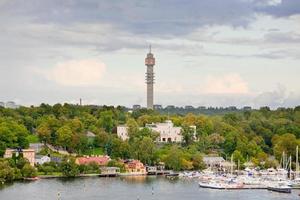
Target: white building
x=122, y=132
x=167, y=131
x=39, y=159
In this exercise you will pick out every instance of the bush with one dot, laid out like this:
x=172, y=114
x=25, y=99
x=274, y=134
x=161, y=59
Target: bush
x=7, y=173
x=28, y=171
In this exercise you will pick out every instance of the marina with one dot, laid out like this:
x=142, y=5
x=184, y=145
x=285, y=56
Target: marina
x=119, y=188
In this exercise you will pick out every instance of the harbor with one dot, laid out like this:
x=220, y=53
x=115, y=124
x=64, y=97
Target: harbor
x=275, y=180
x=119, y=188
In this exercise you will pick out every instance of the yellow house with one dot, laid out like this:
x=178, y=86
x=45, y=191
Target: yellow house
x=135, y=166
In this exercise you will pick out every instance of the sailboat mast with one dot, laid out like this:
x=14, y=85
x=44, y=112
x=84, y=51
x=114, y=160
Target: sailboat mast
x=238, y=167
x=231, y=171
x=290, y=167
x=297, y=162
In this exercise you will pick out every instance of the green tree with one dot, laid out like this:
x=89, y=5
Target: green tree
x=286, y=143
x=64, y=136
x=44, y=133
x=188, y=134
x=106, y=121
x=69, y=168
x=174, y=158
x=13, y=134
x=133, y=128
x=2, y=148
x=198, y=163
x=238, y=157
x=119, y=148
x=144, y=150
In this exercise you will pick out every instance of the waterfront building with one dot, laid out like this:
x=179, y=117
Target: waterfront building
x=29, y=154
x=213, y=161
x=227, y=166
x=135, y=166
x=100, y=160
x=110, y=171
x=151, y=170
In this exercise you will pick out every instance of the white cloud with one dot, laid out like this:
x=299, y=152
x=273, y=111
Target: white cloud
x=77, y=73
x=273, y=98
x=225, y=84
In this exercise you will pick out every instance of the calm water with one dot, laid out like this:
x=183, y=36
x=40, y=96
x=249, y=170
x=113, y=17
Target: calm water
x=141, y=188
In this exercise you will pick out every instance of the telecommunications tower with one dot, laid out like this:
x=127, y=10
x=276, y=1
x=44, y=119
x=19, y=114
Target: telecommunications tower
x=150, y=62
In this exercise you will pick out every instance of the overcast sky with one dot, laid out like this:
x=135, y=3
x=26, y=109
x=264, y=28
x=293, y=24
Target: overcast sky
x=208, y=52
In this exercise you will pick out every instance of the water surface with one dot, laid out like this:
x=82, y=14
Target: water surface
x=142, y=188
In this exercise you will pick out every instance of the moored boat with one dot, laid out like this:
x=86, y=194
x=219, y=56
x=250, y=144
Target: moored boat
x=280, y=187
x=172, y=175
x=32, y=179
x=221, y=185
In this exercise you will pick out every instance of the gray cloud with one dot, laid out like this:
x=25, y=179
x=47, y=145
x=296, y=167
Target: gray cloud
x=284, y=9
x=147, y=17
x=37, y=33
x=283, y=37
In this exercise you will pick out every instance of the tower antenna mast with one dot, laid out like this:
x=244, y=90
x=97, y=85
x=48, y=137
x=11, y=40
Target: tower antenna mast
x=150, y=62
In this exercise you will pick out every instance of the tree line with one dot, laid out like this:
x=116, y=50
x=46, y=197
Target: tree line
x=259, y=136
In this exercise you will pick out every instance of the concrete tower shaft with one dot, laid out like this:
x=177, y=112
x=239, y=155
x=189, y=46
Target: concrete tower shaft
x=150, y=62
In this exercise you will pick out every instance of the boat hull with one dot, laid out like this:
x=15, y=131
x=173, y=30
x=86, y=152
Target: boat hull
x=280, y=190
x=220, y=187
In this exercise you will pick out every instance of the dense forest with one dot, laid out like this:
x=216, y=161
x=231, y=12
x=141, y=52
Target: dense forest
x=259, y=136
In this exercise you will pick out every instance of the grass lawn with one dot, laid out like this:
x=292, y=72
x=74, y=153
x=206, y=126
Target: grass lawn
x=94, y=151
x=98, y=151
x=33, y=139
x=50, y=174
x=45, y=151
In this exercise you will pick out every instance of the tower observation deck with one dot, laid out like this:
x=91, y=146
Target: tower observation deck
x=150, y=62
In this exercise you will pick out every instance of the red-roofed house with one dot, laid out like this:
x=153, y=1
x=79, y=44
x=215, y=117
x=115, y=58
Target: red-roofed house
x=135, y=166
x=100, y=160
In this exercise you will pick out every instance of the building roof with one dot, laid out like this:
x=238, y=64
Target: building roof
x=90, y=134
x=133, y=163
x=40, y=156
x=55, y=159
x=227, y=164
x=213, y=159
x=100, y=160
x=22, y=150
